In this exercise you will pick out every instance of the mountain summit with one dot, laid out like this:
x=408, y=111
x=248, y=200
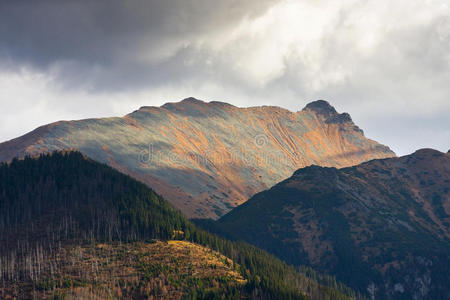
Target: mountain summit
x=321, y=107
x=382, y=227
x=208, y=157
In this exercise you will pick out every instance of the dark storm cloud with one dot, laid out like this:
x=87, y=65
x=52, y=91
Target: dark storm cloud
x=385, y=62
x=112, y=41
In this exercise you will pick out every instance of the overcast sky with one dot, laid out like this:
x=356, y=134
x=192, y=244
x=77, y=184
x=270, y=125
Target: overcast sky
x=385, y=62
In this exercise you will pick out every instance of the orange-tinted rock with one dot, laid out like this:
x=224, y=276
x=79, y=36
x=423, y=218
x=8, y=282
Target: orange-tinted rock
x=206, y=158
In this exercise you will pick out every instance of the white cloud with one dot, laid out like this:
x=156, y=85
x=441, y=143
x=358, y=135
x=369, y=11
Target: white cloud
x=385, y=62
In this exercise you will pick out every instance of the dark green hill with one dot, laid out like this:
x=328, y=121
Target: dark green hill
x=59, y=212
x=382, y=227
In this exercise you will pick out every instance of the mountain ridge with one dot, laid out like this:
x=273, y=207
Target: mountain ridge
x=207, y=158
x=382, y=226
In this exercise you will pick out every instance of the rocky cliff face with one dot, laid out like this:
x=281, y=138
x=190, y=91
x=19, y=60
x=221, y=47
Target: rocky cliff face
x=382, y=227
x=206, y=158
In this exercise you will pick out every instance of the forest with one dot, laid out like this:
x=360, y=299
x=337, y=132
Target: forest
x=64, y=198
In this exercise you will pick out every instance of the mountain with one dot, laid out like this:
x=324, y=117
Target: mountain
x=382, y=227
x=206, y=158
x=74, y=228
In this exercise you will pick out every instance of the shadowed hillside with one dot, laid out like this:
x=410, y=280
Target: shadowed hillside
x=382, y=227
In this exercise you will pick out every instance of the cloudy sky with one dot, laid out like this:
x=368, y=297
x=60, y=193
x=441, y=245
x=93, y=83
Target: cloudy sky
x=385, y=62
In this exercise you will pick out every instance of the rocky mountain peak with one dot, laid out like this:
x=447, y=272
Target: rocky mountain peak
x=192, y=100
x=321, y=107
x=207, y=157
x=325, y=111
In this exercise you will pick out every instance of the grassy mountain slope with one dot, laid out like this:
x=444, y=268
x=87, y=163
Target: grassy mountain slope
x=69, y=226
x=206, y=158
x=382, y=227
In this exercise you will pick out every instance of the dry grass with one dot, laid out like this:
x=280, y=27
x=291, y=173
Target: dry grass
x=159, y=270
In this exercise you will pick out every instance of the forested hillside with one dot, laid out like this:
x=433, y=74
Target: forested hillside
x=63, y=201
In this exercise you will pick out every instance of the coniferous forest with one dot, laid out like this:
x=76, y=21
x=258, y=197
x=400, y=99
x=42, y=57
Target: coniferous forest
x=63, y=201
